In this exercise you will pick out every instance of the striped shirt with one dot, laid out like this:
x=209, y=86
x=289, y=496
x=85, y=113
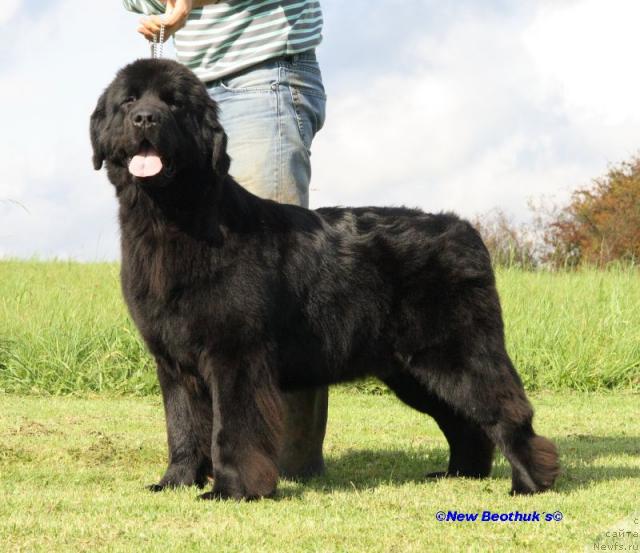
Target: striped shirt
x=229, y=36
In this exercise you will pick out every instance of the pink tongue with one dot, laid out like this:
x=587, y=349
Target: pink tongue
x=145, y=164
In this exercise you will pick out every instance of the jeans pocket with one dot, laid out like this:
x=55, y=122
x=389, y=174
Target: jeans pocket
x=304, y=80
x=310, y=111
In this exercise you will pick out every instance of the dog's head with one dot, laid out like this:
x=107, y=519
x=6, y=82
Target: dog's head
x=155, y=120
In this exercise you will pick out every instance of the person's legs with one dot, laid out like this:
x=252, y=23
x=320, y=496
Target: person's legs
x=271, y=114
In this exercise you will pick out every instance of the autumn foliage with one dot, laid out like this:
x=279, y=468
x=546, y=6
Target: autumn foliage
x=601, y=224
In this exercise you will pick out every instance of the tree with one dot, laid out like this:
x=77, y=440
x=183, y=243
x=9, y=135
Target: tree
x=601, y=224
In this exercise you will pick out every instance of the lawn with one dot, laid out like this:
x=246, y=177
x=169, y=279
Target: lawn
x=64, y=330
x=73, y=471
x=82, y=432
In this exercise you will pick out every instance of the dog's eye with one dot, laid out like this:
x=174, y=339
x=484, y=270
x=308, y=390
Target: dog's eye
x=128, y=101
x=173, y=102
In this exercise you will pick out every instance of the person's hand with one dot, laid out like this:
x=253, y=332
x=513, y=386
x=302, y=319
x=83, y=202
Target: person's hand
x=173, y=19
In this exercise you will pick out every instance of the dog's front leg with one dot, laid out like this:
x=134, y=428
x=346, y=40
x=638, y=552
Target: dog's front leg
x=187, y=409
x=246, y=430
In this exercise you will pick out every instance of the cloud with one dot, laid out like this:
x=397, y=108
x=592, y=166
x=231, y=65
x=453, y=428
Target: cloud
x=441, y=105
x=494, y=113
x=9, y=9
x=49, y=82
x=587, y=52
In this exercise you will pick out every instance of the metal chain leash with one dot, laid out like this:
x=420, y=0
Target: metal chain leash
x=158, y=44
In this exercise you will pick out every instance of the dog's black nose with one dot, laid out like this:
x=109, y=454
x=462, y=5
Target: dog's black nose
x=144, y=118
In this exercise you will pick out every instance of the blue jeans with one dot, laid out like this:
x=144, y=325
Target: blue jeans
x=271, y=112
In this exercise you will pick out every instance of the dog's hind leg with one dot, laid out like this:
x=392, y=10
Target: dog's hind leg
x=305, y=421
x=187, y=408
x=471, y=450
x=486, y=389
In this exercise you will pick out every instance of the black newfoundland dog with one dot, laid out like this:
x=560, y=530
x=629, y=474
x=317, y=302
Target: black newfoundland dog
x=238, y=298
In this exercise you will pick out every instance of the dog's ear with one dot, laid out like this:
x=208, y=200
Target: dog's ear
x=96, y=127
x=216, y=138
x=219, y=157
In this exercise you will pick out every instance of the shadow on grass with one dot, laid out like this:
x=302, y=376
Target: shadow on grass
x=586, y=459
x=365, y=469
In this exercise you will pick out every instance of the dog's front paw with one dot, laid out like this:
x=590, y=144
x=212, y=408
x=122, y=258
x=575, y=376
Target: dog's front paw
x=218, y=495
x=178, y=476
x=233, y=490
x=156, y=487
x=213, y=496
x=171, y=485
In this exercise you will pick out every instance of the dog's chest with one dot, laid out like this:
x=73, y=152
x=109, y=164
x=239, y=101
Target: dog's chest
x=167, y=311
x=176, y=327
x=191, y=314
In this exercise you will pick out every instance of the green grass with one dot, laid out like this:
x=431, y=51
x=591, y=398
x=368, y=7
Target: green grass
x=573, y=330
x=64, y=330
x=73, y=468
x=73, y=471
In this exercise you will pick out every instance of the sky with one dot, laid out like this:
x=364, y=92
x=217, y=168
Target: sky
x=460, y=105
